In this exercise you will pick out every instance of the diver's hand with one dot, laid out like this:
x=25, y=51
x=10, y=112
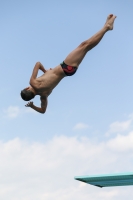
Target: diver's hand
x=29, y=104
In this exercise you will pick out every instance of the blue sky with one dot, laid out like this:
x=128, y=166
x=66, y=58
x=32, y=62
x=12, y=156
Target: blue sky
x=92, y=107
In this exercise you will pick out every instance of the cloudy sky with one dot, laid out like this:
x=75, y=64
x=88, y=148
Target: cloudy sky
x=88, y=126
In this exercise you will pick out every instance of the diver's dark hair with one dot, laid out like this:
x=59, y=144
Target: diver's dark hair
x=27, y=95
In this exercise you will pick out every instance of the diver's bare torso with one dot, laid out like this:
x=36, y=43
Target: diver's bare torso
x=48, y=81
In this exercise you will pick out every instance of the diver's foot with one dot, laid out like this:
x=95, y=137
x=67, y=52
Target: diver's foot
x=110, y=22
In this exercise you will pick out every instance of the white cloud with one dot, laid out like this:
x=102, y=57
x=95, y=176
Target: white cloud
x=46, y=170
x=122, y=143
x=14, y=111
x=109, y=194
x=117, y=127
x=80, y=126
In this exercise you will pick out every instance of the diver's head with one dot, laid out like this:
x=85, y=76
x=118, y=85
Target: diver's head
x=27, y=94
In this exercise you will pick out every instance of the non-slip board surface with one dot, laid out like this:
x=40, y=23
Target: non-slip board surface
x=108, y=180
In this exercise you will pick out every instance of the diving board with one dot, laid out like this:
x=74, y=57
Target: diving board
x=108, y=180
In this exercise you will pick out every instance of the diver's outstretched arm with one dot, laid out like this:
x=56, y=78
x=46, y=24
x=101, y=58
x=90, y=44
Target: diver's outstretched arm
x=41, y=109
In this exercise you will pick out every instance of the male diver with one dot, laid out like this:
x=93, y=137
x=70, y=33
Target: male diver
x=44, y=84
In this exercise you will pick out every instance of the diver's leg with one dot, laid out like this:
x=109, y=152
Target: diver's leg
x=76, y=56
